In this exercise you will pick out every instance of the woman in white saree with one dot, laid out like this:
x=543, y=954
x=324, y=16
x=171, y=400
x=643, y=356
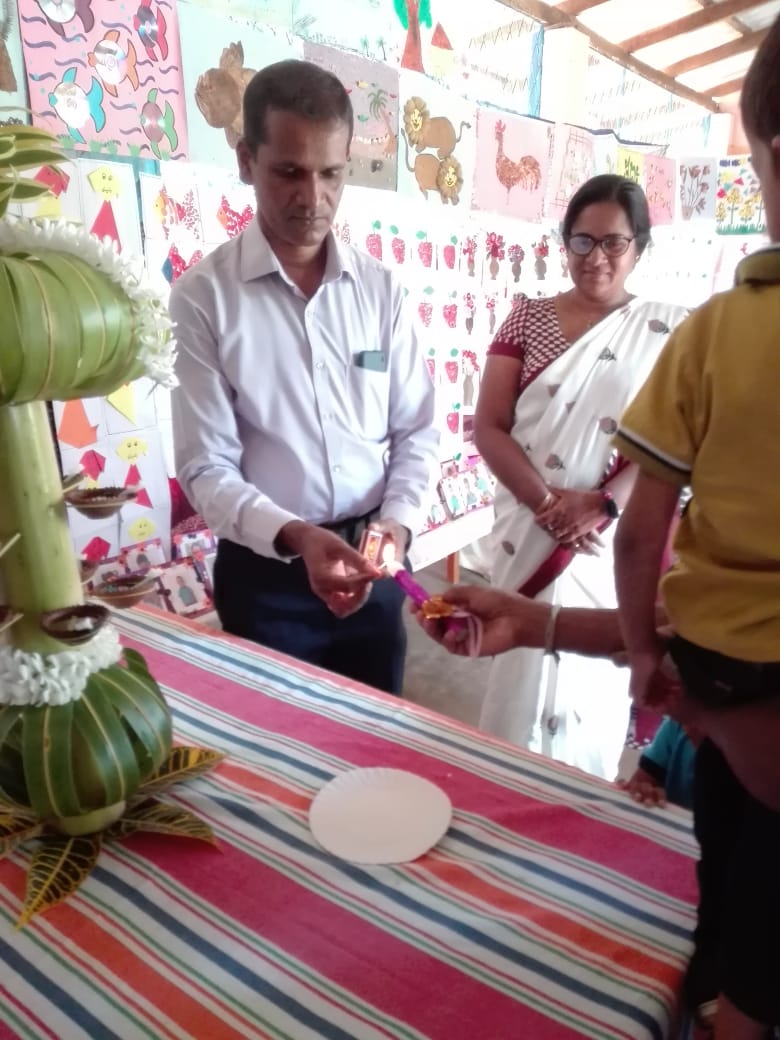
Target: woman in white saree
x=558, y=376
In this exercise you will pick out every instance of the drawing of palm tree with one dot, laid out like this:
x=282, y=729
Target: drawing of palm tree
x=377, y=109
x=301, y=23
x=364, y=45
x=382, y=45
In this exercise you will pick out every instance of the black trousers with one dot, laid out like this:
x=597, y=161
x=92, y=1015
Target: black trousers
x=738, y=929
x=271, y=602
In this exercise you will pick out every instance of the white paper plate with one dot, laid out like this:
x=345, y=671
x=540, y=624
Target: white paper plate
x=379, y=816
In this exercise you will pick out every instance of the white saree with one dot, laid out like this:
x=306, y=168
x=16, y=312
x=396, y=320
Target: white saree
x=574, y=709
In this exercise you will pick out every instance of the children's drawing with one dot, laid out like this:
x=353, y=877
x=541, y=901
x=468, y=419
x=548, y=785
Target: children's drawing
x=605, y=148
x=697, y=180
x=182, y=589
x=11, y=66
x=222, y=52
x=116, y=83
x=571, y=164
x=439, y=127
x=512, y=165
x=659, y=188
x=739, y=209
x=413, y=14
x=373, y=91
x=631, y=164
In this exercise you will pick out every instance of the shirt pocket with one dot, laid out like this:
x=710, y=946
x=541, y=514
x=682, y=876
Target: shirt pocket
x=369, y=396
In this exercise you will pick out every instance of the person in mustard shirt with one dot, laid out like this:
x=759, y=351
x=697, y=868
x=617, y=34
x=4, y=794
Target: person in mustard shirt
x=709, y=417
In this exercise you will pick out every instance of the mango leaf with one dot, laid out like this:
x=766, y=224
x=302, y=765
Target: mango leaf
x=181, y=764
x=158, y=818
x=15, y=829
x=59, y=867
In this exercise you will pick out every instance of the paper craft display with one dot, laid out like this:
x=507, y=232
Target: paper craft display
x=605, y=149
x=132, y=407
x=437, y=142
x=660, y=188
x=193, y=543
x=697, y=187
x=223, y=51
x=110, y=203
x=226, y=205
x=64, y=201
x=512, y=165
x=631, y=164
x=573, y=161
x=116, y=82
x=73, y=424
x=739, y=209
x=170, y=206
x=373, y=91
x=144, y=556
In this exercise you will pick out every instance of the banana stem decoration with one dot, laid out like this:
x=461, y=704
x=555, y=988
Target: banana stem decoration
x=85, y=733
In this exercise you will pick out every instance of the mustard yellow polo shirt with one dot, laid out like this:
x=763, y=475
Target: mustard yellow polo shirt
x=709, y=416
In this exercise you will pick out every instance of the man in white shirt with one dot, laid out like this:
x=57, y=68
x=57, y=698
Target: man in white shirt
x=305, y=410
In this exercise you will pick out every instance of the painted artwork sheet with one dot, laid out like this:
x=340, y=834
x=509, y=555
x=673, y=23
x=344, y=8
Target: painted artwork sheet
x=110, y=203
x=512, y=168
x=573, y=162
x=64, y=199
x=106, y=75
x=173, y=229
x=13, y=84
x=660, y=188
x=437, y=143
x=373, y=91
x=222, y=51
x=697, y=185
x=739, y=209
x=605, y=147
x=631, y=164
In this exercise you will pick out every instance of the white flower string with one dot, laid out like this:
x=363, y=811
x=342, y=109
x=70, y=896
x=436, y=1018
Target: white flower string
x=153, y=329
x=34, y=680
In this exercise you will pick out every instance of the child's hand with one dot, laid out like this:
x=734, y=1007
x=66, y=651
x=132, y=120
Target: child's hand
x=644, y=788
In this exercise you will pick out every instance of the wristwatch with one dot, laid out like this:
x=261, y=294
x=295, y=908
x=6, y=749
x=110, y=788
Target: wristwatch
x=609, y=505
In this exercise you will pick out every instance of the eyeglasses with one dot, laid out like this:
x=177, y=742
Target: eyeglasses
x=611, y=245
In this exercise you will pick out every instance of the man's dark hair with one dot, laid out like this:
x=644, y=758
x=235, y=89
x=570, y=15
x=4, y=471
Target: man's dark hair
x=298, y=87
x=760, y=101
x=609, y=187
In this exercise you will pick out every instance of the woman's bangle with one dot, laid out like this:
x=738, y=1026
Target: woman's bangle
x=549, y=632
x=548, y=500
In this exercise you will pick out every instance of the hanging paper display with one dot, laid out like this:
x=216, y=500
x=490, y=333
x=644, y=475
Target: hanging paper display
x=512, y=165
x=605, y=149
x=659, y=188
x=373, y=91
x=739, y=209
x=572, y=163
x=631, y=164
x=13, y=92
x=437, y=143
x=64, y=199
x=110, y=203
x=697, y=188
x=222, y=53
x=117, y=79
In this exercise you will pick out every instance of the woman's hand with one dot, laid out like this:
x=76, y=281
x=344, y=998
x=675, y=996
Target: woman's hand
x=572, y=516
x=508, y=620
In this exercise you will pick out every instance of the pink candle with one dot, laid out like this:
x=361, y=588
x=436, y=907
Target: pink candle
x=406, y=581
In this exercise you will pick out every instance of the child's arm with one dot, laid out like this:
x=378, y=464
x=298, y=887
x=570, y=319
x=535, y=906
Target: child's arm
x=639, y=547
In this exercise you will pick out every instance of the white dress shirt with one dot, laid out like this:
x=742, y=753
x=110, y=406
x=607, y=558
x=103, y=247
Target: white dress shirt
x=275, y=419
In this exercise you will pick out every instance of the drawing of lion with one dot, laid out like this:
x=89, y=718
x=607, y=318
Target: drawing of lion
x=444, y=176
x=426, y=131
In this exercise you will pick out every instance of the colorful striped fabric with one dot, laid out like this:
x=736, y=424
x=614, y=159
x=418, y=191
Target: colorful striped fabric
x=554, y=907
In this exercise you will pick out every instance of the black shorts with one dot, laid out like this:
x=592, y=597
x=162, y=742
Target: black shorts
x=717, y=681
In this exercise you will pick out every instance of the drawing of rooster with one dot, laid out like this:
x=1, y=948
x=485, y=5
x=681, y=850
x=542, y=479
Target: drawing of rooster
x=527, y=172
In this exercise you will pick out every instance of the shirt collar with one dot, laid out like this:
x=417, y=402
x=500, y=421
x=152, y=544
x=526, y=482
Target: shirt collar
x=259, y=260
x=761, y=267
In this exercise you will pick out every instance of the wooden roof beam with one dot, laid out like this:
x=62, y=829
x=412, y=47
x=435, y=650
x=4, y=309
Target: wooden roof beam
x=732, y=86
x=689, y=23
x=575, y=7
x=710, y=57
x=554, y=17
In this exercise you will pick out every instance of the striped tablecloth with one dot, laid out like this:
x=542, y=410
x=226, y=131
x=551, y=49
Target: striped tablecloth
x=553, y=908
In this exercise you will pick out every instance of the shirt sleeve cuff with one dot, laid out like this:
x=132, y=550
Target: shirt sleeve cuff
x=403, y=513
x=262, y=527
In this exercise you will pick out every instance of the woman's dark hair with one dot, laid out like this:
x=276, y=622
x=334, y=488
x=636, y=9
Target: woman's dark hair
x=608, y=187
x=760, y=101
x=298, y=87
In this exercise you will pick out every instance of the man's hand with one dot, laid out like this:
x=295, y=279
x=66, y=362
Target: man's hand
x=507, y=620
x=644, y=788
x=398, y=533
x=338, y=574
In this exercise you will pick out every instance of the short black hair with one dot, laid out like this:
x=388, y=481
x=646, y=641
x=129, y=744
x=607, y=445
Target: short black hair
x=760, y=101
x=609, y=187
x=299, y=87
